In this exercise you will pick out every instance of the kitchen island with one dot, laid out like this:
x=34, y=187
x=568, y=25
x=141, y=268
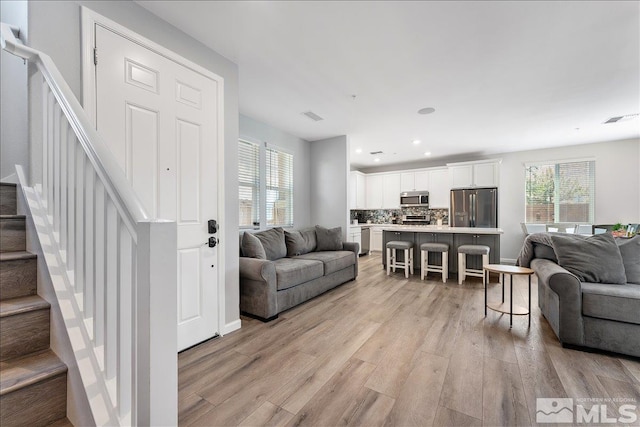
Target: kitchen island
x=453, y=236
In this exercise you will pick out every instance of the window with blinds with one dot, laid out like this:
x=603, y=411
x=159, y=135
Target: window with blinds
x=560, y=192
x=279, y=191
x=249, y=183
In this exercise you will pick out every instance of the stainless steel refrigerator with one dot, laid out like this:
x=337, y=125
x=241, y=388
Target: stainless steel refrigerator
x=474, y=207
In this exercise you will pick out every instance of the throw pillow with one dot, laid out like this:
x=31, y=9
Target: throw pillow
x=273, y=243
x=630, y=251
x=300, y=242
x=594, y=259
x=329, y=239
x=252, y=247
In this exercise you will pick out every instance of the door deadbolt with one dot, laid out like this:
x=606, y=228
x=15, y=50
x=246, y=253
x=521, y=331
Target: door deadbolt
x=213, y=226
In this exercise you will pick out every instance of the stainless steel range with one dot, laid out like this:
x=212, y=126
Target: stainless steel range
x=416, y=219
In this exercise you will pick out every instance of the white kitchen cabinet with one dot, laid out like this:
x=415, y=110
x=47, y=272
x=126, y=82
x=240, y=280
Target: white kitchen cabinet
x=374, y=192
x=407, y=181
x=391, y=191
x=357, y=190
x=376, y=239
x=486, y=174
x=355, y=235
x=474, y=174
x=421, y=180
x=414, y=181
x=439, y=188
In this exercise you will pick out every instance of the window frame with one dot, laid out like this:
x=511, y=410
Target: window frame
x=262, y=184
x=256, y=187
x=556, y=193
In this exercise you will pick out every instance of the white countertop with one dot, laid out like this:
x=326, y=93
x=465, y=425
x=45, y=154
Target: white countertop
x=438, y=229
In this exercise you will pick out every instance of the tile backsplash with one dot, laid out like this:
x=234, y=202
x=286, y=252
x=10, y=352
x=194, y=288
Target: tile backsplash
x=388, y=216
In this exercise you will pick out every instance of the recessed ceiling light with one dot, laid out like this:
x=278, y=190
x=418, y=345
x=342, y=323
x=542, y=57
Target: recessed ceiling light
x=426, y=110
x=358, y=150
x=427, y=153
x=377, y=159
x=416, y=141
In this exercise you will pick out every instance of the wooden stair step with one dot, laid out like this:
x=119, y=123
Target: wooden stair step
x=24, y=326
x=33, y=390
x=24, y=371
x=18, y=274
x=12, y=233
x=8, y=204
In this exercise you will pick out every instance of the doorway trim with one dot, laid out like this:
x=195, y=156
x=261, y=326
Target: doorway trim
x=89, y=20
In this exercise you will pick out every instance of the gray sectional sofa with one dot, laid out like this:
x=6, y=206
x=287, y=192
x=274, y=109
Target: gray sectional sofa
x=280, y=269
x=588, y=288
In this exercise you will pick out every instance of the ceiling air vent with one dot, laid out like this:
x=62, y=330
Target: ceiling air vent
x=375, y=153
x=622, y=118
x=313, y=116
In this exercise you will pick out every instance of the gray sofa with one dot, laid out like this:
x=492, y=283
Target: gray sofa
x=293, y=267
x=588, y=291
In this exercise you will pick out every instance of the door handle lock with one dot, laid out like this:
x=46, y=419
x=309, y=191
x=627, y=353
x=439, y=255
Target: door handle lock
x=212, y=226
x=213, y=242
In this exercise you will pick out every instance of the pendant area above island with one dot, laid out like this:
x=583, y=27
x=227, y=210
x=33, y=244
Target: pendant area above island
x=452, y=236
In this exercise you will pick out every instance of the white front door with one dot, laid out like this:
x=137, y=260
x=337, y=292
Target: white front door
x=159, y=119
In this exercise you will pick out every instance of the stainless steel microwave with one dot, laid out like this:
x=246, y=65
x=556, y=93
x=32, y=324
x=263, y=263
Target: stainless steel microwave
x=414, y=198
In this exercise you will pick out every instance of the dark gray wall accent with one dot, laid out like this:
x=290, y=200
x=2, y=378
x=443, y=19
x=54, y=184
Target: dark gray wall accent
x=329, y=183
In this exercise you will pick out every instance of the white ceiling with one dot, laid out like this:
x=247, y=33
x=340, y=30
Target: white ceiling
x=502, y=76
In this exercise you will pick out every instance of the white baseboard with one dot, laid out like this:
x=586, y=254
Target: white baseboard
x=230, y=327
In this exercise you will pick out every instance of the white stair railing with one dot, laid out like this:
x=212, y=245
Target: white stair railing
x=119, y=264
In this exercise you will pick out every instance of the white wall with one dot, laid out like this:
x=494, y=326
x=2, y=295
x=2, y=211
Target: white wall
x=617, y=174
x=255, y=131
x=330, y=183
x=55, y=29
x=14, y=144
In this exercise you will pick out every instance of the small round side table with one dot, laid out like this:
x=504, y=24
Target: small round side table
x=503, y=307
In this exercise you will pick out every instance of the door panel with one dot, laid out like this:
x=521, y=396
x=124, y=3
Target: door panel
x=160, y=120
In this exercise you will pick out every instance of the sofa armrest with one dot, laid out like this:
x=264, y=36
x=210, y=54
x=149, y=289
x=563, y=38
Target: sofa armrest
x=569, y=291
x=355, y=248
x=258, y=288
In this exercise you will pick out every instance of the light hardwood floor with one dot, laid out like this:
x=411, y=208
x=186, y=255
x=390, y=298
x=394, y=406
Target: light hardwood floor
x=390, y=351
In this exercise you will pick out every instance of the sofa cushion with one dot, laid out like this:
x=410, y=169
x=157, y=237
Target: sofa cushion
x=252, y=247
x=329, y=239
x=613, y=302
x=333, y=260
x=594, y=259
x=292, y=271
x=545, y=252
x=300, y=242
x=630, y=251
x=273, y=242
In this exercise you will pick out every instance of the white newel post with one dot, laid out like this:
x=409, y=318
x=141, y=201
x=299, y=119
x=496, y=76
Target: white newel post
x=156, y=331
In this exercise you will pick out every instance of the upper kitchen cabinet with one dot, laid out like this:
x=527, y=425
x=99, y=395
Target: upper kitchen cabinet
x=357, y=190
x=474, y=174
x=391, y=191
x=383, y=191
x=374, y=192
x=414, y=181
x=439, y=188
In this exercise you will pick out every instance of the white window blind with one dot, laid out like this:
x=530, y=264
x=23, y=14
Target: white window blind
x=279, y=180
x=249, y=183
x=560, y=192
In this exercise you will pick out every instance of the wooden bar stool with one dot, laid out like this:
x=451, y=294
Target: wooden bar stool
x=463, y=251
x=443, y=249
x=392, y=261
